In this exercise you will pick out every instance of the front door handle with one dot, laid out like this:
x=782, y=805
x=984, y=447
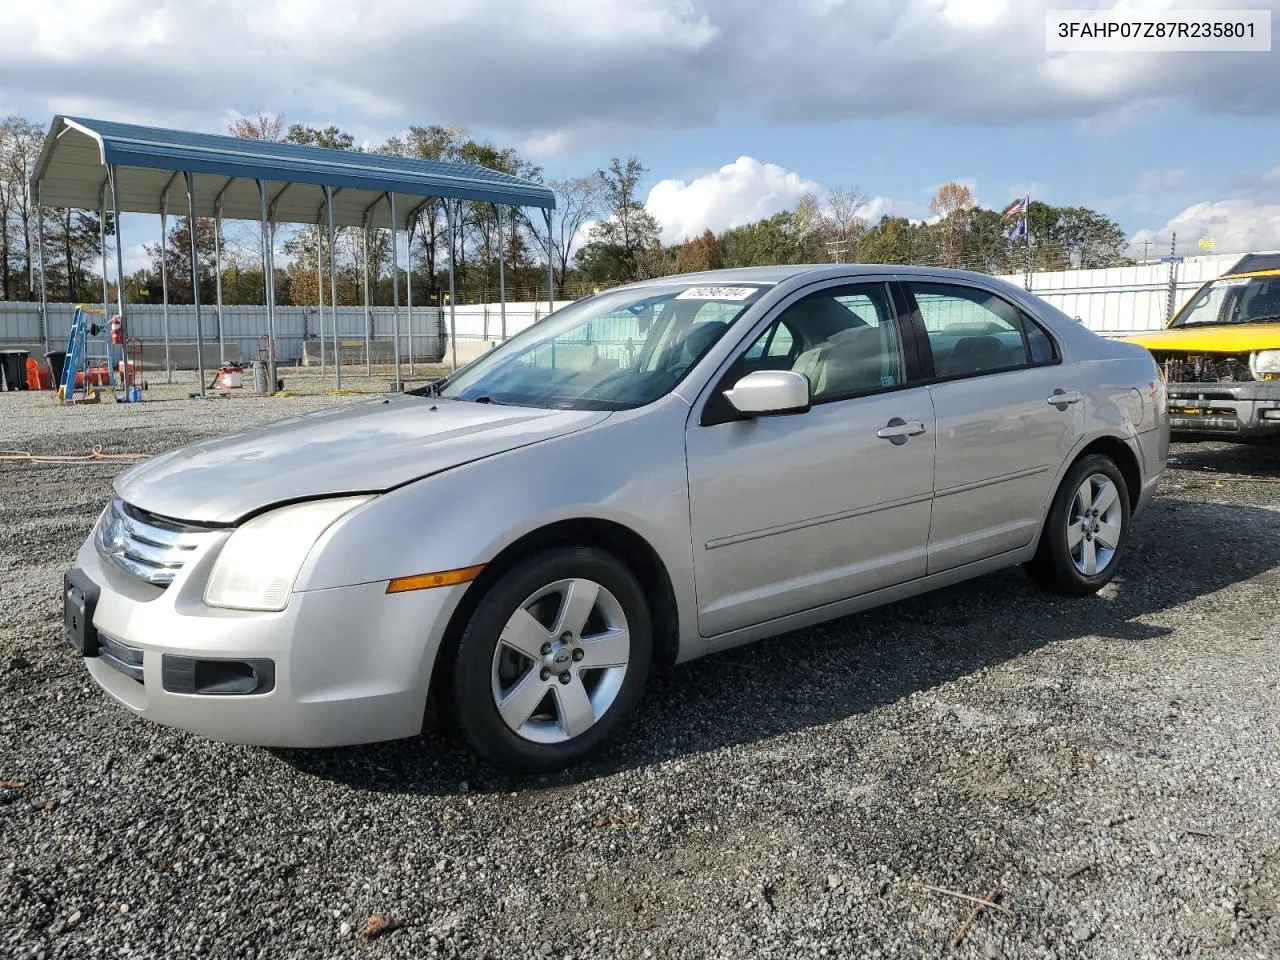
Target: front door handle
x=1060, y=398
x=897, y=430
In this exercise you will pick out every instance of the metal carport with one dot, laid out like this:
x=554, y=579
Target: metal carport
x=85, y=162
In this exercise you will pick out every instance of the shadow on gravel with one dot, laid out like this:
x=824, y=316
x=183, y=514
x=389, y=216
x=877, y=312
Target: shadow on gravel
x=1243, y=459
x=1180, y=550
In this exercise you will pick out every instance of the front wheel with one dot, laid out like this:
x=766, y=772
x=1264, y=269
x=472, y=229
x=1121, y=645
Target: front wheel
x=552, y=661
x=1086, y=531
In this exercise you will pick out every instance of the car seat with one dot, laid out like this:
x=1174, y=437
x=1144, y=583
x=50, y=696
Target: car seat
x=973, y=355
x=846, y=362
x=1265, y=303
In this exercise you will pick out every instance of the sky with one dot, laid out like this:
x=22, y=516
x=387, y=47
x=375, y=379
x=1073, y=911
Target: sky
x=735, y=107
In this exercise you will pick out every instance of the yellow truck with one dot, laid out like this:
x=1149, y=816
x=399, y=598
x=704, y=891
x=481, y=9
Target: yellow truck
x=1220, y=355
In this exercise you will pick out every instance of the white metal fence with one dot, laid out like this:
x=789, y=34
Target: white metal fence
x=1122, y=300
x=1111, y=301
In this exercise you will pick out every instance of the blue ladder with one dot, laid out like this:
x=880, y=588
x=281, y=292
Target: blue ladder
x=78, y=356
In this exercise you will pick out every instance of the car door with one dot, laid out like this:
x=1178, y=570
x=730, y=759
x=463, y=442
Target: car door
x=1008, y=414
x=793, y=512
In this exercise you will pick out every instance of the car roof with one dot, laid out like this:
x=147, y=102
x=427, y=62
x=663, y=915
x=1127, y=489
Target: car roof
x=1251, y=273
x=783, y=272
x=1258, y=262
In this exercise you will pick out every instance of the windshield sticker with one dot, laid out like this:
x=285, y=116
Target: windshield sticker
x=1234, y=282
x=716, y=293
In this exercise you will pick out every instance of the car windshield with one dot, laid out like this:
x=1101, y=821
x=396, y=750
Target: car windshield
x=1233, y=300
x=612, y=351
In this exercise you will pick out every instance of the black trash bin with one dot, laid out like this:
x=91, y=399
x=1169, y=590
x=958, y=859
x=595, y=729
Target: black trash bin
x=56, y=360
x=14, y=364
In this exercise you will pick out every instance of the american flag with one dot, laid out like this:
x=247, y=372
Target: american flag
x=1015, y=215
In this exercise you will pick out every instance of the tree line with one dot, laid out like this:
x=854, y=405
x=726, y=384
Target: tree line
x=601, y=234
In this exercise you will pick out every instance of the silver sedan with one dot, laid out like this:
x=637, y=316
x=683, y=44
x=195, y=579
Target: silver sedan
x=652, y=474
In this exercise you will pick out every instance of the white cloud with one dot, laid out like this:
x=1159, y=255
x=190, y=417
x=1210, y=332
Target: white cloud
x=738, y=193
x=546, y=71
x=878, y=207
x=1236, y=226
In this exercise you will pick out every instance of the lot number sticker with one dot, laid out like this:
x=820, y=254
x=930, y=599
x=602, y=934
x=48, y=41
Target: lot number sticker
x=716, y=293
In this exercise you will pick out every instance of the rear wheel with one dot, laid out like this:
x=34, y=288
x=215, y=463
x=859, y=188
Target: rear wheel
x=552, y=661
x=1086, y=531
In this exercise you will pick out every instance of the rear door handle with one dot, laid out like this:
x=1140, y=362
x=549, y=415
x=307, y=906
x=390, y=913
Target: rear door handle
x=1060, y=398
x=897, y=430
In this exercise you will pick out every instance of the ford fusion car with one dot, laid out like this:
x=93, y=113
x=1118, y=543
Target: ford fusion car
x=651, y=474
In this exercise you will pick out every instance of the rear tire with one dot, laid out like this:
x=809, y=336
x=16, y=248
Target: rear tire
x=1087, y=530
x=553, y=660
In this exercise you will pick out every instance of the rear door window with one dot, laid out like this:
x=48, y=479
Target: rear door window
x=972, y=331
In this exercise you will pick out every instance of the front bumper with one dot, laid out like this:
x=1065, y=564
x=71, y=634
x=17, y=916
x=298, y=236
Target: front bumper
x=1242, y=411
x=347, y=665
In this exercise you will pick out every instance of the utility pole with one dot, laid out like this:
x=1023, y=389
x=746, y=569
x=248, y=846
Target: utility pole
x=1173, y=278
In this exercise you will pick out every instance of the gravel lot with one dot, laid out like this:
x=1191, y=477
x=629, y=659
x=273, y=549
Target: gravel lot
x=1108, y=768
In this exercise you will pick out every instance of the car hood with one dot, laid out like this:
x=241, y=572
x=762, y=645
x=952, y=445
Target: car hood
x=369, y=447
x=1214, y=338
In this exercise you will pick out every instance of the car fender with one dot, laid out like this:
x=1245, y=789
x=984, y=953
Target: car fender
x=629, y=470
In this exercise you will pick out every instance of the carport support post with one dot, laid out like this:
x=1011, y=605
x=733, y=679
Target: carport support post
x=195, y=275
x=164, y=281
x=368, y=322
x=44, y=291
x=102, y=242
x=395, y=286
x=333, y=293
x=551, y=266
x=408, y=284
x=451, y=216
x=268, y=288
x=502, y=274
x=320, y=294
x=124, y=324
x=217, y=266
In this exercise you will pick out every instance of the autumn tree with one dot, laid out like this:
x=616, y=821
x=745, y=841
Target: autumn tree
x=952, y=205
x=261, y=126
x=700, y=253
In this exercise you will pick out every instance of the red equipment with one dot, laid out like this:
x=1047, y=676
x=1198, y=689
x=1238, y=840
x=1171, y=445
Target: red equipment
x=117, y=330
x=134, y=354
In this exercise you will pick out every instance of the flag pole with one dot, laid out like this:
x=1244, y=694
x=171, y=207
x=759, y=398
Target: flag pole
x=1026, y=232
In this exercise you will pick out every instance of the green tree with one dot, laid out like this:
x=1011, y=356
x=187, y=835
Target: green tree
x=330, y=137
x=629, y=227
x=177, y=257
x=73, y=253
x=768, y=241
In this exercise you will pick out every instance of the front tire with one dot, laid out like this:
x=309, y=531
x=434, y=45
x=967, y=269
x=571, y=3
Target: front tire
x=1087, y=530
x=553, y=660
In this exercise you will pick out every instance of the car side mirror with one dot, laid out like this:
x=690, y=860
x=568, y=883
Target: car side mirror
x=770, y=392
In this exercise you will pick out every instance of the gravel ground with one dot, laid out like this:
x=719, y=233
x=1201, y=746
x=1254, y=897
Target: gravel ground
x=1107, y=768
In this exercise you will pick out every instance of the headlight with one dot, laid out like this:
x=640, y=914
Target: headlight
x=259, y=563
x=1264, y=361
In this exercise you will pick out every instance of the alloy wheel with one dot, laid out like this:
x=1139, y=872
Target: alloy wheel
x=560, y=661
x=1094, y=524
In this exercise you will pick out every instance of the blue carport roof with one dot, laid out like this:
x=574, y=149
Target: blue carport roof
x=149, y=162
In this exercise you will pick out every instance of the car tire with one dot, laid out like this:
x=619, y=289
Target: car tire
x=1083, y=544
x=527, y=652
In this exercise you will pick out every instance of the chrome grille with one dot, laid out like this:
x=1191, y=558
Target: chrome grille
x=148, y=547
